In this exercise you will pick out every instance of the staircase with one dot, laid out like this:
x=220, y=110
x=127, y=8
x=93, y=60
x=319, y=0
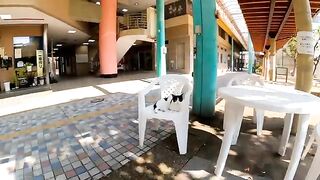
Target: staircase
x=135, y=27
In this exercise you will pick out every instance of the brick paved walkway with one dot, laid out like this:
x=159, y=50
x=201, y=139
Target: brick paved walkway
x=76, y=140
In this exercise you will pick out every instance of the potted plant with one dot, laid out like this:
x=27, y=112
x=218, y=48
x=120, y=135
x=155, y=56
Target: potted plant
x=29, y=66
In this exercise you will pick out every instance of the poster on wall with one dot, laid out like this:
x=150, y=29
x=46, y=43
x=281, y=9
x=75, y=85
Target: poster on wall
x=17, y=53
x=39, y=54
x=305, y=42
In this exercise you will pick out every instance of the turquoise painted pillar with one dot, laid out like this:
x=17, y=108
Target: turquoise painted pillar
x=251, y=55
x=161, y=38
x=232, y=56
x=205, y=65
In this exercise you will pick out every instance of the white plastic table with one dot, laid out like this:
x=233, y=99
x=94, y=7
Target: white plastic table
x=271, y=99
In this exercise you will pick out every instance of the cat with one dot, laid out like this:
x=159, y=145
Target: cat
x=175, y=103
x=162, y=105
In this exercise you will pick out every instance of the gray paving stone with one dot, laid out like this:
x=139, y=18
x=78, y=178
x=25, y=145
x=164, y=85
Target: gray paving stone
x=67, y=168
x=61, y=177
x=94, y=171
x=84, y=176
x=76, y=164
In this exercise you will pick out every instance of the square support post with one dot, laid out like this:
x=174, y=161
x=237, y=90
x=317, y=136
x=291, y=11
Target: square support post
x=205, y=65
x=161, y=38
x=251, y=55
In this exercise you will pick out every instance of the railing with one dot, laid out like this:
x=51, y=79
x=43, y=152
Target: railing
x=134, y=21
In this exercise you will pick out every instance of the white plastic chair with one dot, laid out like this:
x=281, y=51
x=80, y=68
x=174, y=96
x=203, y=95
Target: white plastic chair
x=252, y=80
x=169, y=84
x=313, y=172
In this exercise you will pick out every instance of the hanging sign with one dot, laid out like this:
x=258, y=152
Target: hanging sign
x=305, y=42
x=40, y=63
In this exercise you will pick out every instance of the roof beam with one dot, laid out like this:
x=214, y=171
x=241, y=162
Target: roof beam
x=272, y=5
x=285, y=19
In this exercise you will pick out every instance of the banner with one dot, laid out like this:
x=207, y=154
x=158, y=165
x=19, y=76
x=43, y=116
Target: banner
x=40, y=63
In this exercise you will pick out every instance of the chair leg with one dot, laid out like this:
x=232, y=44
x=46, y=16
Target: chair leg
x=314, y=172
x=259, y=119
x=142, y=130
x=308, y=146
x=182, y=135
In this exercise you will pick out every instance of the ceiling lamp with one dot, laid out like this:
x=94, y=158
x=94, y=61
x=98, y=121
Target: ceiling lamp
x=136, y=3
x=124, y=10
x=59, y=45
x=86, y=44
x=91, y=40
x=72, y=31
x=5, y=16
x=98, y=3
x=55, y=49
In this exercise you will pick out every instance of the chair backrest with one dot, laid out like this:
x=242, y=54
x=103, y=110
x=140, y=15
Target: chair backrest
x=175, y=84
x=246, y=79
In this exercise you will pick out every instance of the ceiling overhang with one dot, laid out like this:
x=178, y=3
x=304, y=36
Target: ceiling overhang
x=57, y=29
x=273, y=18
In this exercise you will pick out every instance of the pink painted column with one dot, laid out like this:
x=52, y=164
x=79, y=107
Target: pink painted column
x=108, y=38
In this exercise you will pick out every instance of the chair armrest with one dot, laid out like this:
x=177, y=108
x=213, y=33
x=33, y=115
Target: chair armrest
x=186, y=102
x=142, y=99
x=149, y=88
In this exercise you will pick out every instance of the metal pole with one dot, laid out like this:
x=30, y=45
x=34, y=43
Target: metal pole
x=205, y=66
x=161, y=48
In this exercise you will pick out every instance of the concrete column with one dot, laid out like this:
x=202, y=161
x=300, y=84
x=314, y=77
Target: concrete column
x=232, y=55
x=267, y=65
x=161, y=38
x=303, y=21
x=304, y=74
x=205, y=65
x=108, y=38
x=272, y=59
x=45, y=52
x=263, y=64
x=251, y=55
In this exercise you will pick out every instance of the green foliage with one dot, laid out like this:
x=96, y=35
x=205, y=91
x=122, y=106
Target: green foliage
x=291, y=47
x=28, y=64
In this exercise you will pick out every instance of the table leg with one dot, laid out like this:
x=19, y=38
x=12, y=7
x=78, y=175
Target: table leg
x=258, y=118
x=288, y=119
x=298, y=146
x=233, y=115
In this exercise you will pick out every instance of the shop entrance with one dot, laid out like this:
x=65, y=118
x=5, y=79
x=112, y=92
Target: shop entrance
x=138, y=58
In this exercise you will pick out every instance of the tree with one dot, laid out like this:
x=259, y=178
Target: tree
x=291, y=51
x=316, y=59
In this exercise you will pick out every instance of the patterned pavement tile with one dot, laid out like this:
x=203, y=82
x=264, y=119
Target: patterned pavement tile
x=91, y=147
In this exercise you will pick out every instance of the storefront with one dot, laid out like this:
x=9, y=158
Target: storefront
x=22, y=56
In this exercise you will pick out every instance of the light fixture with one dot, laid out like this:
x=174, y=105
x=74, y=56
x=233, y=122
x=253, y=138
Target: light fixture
x=124, y=10
x=98, y=3
x=59, y=45
x=136, y=3
x=72, y=31
x=5, y=16
x=86, y=44
x=55, y=49
x=134, y=44
x=91, y=40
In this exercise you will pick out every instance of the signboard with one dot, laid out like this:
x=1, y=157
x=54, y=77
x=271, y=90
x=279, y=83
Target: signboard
x=40, y=62
x=175, y=9
x=305, y=43
x=17, y=53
